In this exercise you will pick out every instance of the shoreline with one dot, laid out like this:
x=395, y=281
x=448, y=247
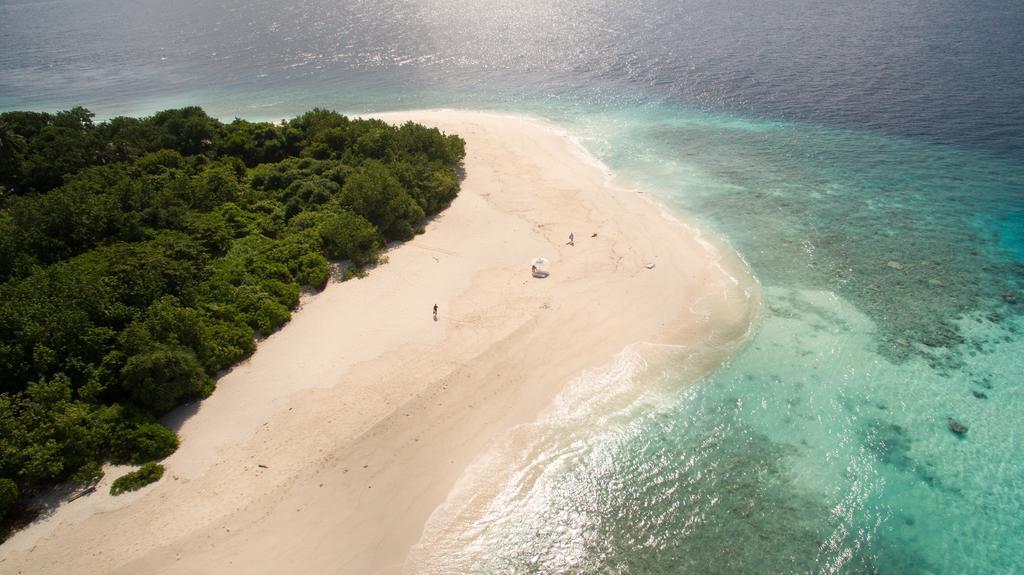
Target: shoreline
x=329, y=449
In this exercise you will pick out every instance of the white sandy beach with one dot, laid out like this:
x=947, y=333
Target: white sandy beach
x=327, y=451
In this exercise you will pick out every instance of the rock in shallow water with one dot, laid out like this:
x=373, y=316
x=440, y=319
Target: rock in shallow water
x=957, y=427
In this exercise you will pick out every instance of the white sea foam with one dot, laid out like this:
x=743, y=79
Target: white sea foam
x=516, y=476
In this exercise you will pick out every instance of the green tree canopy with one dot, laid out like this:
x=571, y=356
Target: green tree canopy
x=139, y=257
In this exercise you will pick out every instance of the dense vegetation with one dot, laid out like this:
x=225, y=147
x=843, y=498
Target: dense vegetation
x=138, y=258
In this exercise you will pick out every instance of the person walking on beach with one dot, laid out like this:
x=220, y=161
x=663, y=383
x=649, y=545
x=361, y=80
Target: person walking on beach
x=572, y=239
x=435, y=312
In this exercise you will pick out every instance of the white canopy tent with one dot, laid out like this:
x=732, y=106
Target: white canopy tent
x=539, y=267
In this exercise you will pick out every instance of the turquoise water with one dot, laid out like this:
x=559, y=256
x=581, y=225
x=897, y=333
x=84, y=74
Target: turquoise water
x=867, y=160
x=890, y=272
x=809, y=452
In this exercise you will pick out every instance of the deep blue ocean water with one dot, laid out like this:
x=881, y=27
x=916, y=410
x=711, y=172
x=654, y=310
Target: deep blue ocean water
x=866, y=159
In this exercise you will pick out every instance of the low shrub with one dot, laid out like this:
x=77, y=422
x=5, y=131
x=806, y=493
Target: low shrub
x=137, y=479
